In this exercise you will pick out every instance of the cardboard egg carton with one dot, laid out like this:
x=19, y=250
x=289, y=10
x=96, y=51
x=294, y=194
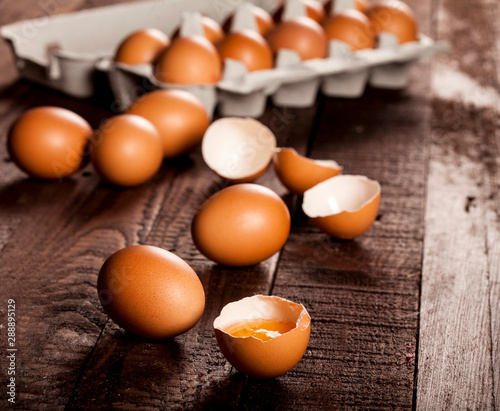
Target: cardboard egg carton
x=62, y=53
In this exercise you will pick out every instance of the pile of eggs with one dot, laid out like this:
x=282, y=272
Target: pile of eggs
x=244, y=223
x=198, y=59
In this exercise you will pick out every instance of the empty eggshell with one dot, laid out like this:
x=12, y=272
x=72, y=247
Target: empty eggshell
x=344, y=206
x=299, y=173
x=274, y=355
x=238, y=149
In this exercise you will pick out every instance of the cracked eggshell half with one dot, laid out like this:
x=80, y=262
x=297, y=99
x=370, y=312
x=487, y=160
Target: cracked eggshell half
x=238, y=149
x=344, y=206
x=298, y=173
x=280, y=351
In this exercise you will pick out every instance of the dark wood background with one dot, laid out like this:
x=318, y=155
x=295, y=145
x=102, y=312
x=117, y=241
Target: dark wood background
x=406, y=316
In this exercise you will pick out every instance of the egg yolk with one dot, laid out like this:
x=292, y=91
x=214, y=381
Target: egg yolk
x=264, y=330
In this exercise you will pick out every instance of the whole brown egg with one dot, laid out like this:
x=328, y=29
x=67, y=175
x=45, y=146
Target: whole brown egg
x=212, y=30
x=263, y=21
x=241, y=225
x=150, y=291
x=179, y=117
x=249, y=47
x=360, y=5
x=49, y=142
x=352, y=27
x=142, y=47
x=189, y=60
x=300, y=34
x=126, y=150
x=395, y=17
x=313, y=9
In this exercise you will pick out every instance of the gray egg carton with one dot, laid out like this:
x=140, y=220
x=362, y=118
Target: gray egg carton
x=62, y=53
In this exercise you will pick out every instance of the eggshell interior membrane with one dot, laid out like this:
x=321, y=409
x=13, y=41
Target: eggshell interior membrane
x=298, y=173
x=263, y=359
x=343, y=206
x=238, y=149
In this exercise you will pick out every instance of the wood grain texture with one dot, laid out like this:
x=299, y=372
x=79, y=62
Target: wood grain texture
x=189, y=371
x=459, y=332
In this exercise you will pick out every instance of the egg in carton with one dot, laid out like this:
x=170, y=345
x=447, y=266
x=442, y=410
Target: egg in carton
x=301, y=85
x=244, y=93
x=387, y=66
x=290, y=83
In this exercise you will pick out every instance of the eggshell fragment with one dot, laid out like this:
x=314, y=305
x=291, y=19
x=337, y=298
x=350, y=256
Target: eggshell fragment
x=299, y=173
x=344, y=206
x=241, y=225
x=395, y=17
x=142, y=47
x=257, y=358
x=238, y=149
x=150, y=291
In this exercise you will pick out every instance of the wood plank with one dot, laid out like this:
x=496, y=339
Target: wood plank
x=459, y=329
x=363, y=295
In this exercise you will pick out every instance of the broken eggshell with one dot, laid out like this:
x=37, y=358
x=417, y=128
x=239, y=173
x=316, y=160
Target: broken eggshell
x=298, y=173
x=253, y=356
x=344, y=206
x=238, y=149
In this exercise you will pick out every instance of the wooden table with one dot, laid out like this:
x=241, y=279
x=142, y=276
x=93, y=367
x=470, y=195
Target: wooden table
x=406, y=316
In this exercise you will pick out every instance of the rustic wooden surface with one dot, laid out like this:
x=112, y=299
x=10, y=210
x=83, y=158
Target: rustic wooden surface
x=406, y=316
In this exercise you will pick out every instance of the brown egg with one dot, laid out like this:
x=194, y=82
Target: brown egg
x=249, y=47
x=352, y=27
x=395, y=17
x=263, y=336
x=241, y=225
x=211, y=30
x=301, y=34
x=179, y=117
x=263, y=20
x=142, y=47
x=127, y=150
x=344, y=206
x=189, y=60
x=298, y=173
x=150, y=291
x=313, y=8
x=49, y=142
x=361, y=5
